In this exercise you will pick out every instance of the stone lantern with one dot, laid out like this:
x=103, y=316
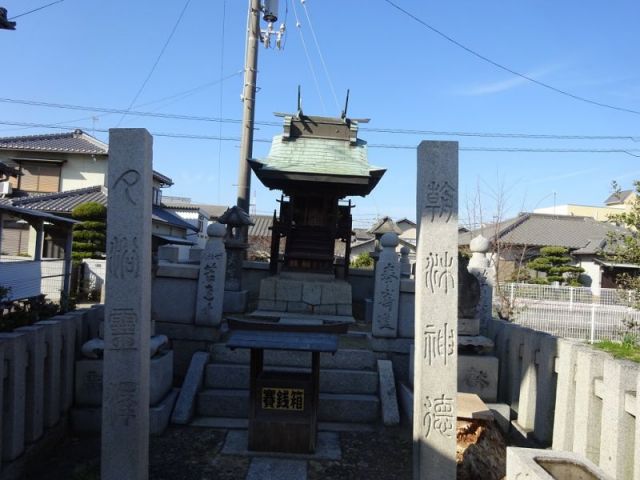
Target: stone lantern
x=235, y=219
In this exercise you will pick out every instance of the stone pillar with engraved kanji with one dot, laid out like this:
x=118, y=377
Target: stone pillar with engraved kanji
x=125, y=394
x=436, y=320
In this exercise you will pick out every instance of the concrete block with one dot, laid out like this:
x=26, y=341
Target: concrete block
x=34, y=401
x=470, y=407
x=529, y=380
x=195, y=254
x=411, y=364
x=268, y=289
x=587, y=410
x=326, y=309
x=52, y=372
x=81, y=320
x=13, y=417
x=565, y=395
x=528, y=463
x=617, y=449
x=235, y=302
x=173, y=300
x=299, y=307
x=186, y=402
x=89, y=378
x=160, y=413
x=368, y=310
x=396, y=345
x=289, y=290
x=344, y=309
x=178, y=270
x=478, y=374
x=502, y=415
x=468, y=326
x=272, y=305
x=168, y=253
x=312, y=293
x=67, y=361
x=388, y=397
x=546, y=387
x=277, y=469
x=405, y=394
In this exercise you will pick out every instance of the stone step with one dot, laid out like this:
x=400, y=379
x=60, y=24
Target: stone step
x=349, y=359
x=228, y=376
x=333, y=407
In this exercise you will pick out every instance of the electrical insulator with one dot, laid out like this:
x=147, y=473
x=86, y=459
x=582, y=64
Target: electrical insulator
x=270, y=11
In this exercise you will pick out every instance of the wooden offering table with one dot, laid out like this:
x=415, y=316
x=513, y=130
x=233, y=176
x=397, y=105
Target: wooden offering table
x=283, y=405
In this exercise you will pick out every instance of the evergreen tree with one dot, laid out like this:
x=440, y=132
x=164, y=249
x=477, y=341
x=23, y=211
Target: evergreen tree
x=89, y=235
x=554, y=262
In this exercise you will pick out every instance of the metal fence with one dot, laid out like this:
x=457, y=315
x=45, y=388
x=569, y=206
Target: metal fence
x=570, y=312
x=27, y=278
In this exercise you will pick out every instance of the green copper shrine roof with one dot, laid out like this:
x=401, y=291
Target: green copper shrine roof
x=319, y=156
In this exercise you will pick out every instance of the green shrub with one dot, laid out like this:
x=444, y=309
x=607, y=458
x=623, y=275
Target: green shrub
x=90, y=211
x=364, y=260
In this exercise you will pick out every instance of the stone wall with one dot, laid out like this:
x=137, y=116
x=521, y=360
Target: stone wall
x=37, y=364
x=570, y=396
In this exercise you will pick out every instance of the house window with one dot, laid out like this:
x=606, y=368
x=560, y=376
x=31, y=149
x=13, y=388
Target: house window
x=39, y=177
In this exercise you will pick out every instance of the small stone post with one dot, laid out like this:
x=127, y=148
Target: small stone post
x=386, y=293
x=213, y=264
x=479, y=266
x=125, y=396
x=405, y=263
x=435, y=382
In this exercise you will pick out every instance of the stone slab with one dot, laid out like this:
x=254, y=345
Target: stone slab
x=406, y=314
x=388, y=397
x=524, y=463
x=327, y=447
x=89, y=378
x=160, y=413
x=186, y=403
x=470, y=407
x=265, y=468
x=301, y=316
x=478, y=374
x=406, y=400
x=173, y=300
x=469, y=326
x=502, y=415
x=475, y=344
x=178, y=331
x=235, y=302
x=178, y=270
x=396, y=345
x=13, y=390
x=52, y=396
x=168, y=253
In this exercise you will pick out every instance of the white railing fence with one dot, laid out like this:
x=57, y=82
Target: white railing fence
x=570, y=312
x=28, y=278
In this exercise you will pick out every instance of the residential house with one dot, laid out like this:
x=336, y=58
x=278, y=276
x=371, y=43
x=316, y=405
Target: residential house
x=57, y=172
x=616, y=203
x=519, y=239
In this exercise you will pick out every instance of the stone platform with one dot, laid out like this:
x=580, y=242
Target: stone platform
x=305, y=293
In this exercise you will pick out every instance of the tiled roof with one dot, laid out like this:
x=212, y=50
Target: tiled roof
x=260, y=227
x=318, y=155
x=385, y=225
x=63, y=202
x=68, y=142
x=162, y=215
x=581, y=234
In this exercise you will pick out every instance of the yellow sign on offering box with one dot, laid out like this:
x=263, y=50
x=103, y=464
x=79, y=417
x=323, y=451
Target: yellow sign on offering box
x=282, y=399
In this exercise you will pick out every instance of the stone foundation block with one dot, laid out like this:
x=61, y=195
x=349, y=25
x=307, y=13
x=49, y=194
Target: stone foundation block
x=535, y=464
x=235, y=302
x=478, y=374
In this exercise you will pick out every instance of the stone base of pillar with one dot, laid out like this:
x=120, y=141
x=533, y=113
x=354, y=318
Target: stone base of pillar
x=235, y=302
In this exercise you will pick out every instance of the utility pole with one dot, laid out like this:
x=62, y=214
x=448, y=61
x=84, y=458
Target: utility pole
x=254, y=36
x=248, y=114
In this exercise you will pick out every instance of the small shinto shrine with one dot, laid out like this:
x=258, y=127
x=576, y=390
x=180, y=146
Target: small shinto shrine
x=316, y=162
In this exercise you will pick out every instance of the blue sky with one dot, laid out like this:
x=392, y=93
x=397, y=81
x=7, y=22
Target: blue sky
x=401, y=75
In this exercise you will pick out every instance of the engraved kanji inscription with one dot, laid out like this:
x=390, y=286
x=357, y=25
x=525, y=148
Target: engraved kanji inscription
x=439, y=272
x=438, y=416
x=125, y=182
x=440, y=199
x=439, y=343
x=123, y=323
x=125, y=401
x=124, y=257
x=386, y=296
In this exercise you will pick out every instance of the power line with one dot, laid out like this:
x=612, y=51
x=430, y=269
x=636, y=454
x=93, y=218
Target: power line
x=36, y=9
x=306, y=53
x=400, y=131
x=193, y=136
x=324, y=65
x=508, y=69
x=155, y=64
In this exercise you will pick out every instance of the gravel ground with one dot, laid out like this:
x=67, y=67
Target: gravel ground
x=192, y=453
